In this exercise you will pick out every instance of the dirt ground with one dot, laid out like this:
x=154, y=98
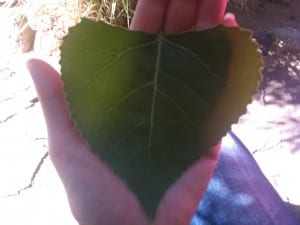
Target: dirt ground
x=270, y=128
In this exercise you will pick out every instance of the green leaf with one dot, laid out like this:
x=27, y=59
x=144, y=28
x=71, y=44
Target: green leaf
x=150, y=105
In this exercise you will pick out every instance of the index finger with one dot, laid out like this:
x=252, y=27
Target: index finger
x=149, y=15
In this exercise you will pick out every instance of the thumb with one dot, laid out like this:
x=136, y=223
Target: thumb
x=49, y=89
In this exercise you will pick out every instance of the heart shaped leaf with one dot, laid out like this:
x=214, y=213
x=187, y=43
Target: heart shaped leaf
x=150, y=105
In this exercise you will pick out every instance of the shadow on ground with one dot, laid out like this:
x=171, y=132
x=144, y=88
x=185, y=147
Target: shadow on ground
x=281, y=81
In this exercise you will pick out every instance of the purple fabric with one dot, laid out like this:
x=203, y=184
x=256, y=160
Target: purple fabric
x=239, y=193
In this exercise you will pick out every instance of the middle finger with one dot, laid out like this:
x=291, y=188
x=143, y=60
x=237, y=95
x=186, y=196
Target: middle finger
x=180, y=15
x=210, y=13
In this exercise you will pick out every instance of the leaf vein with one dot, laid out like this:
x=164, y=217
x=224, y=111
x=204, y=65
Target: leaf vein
x=194, y=55
x=118, y=56
x=185, y=86
x=141, y=123
x=115, y=105
x=176, y=105
x=121, y=100
x=101, y=51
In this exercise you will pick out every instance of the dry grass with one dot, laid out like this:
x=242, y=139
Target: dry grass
x=117, y=12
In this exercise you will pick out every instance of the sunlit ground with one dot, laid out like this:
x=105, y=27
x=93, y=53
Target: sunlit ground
x=22, y=129
x=270, y=129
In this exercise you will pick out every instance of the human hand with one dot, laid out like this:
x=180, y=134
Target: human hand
x=96, y=195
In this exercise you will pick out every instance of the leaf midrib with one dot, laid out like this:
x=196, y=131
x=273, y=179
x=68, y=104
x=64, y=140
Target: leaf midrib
x=155, y=89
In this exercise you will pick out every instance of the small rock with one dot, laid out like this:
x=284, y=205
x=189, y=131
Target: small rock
x=26, y=38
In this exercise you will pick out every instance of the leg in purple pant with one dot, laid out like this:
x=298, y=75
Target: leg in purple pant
x=239, y=193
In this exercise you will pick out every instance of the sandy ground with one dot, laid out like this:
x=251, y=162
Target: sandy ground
x=270, y=129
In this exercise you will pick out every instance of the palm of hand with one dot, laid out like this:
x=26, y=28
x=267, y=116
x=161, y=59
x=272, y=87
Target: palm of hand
x=95, y=194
